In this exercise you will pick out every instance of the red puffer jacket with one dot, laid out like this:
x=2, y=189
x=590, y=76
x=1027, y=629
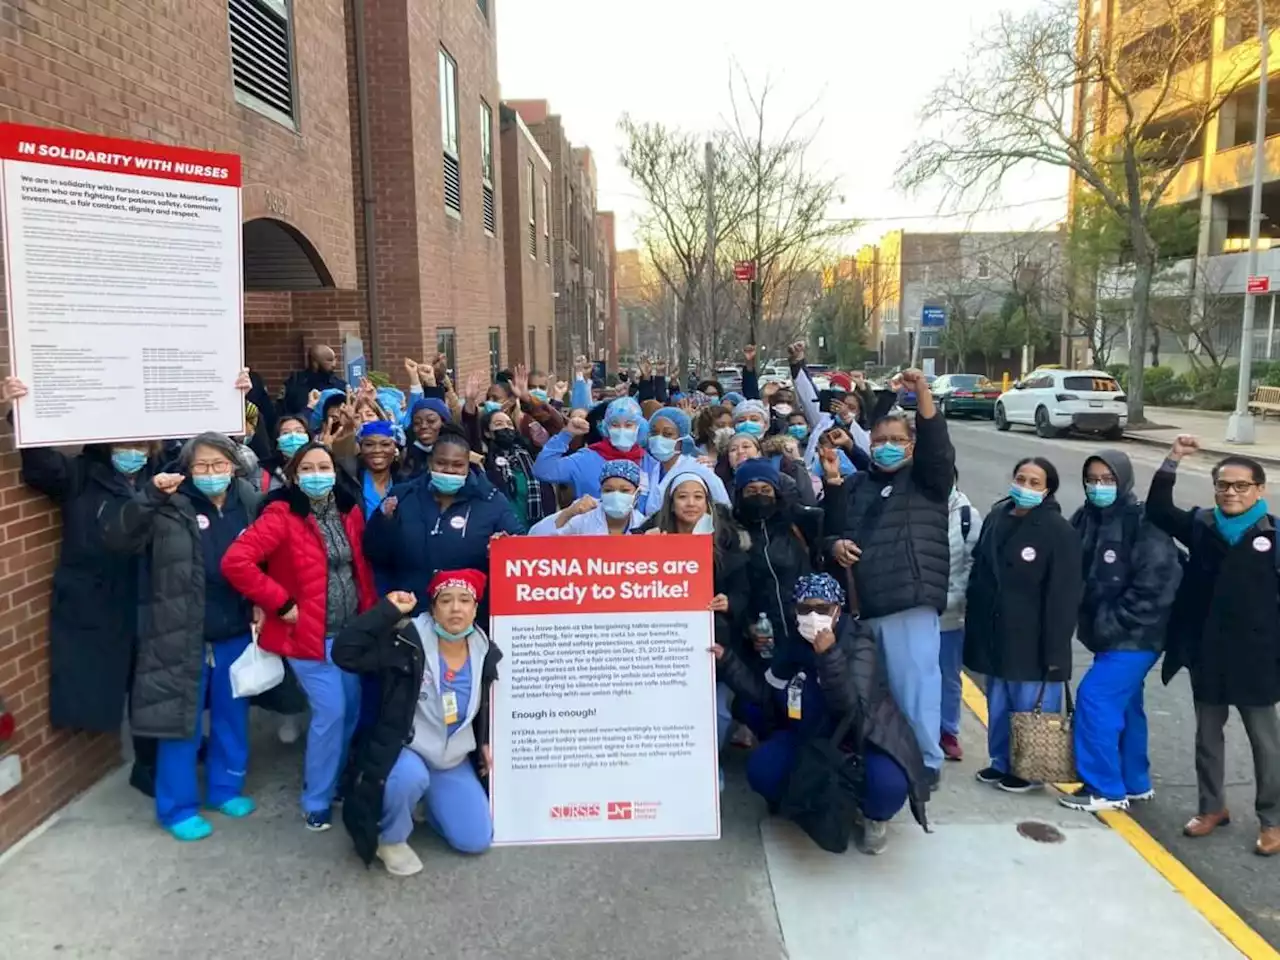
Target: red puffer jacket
x=286, y=538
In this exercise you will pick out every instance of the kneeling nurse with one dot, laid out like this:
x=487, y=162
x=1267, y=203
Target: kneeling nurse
x=430, y=743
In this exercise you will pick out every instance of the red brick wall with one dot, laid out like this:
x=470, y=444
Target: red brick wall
x=530, y=281
x=134, y=68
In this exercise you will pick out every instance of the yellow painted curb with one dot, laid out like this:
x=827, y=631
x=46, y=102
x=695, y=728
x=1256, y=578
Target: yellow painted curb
x=1207, y=903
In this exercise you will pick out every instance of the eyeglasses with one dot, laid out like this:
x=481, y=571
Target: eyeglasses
x=1235, y=486
x=203, y=468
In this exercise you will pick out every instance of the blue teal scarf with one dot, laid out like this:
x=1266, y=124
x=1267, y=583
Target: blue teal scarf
x=1234, y=528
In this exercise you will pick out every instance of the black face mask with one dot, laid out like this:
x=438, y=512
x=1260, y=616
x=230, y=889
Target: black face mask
x=756, y=507
x=504, y=438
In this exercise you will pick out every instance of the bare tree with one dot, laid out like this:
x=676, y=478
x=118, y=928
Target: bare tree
x=1123, y=112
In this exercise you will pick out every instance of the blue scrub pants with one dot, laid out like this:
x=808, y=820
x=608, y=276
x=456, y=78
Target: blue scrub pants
x=1110, y=728
x=724, y=713
x=227, y=757
x=910, y=643
x=457, y=806
x=884, y=791
x=950, y=660
x=334, y=696
x=1013, y=696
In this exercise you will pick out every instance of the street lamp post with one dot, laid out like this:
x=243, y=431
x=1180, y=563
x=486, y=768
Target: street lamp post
x=1240, y=425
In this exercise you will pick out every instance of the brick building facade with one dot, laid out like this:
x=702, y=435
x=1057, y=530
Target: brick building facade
x=194, y=74
x=530, y=274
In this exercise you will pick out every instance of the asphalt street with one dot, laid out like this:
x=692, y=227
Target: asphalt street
x=1223, y=861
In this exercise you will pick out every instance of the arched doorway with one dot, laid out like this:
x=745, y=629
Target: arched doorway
x=278, y=257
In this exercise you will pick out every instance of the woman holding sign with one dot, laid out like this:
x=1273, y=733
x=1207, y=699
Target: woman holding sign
x=431, y=740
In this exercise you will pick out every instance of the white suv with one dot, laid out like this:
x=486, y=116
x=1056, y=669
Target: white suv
x=1054, y=401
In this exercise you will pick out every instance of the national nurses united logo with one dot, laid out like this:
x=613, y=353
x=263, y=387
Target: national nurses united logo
x=620, y=810
x=576, y=811
x=632, y=810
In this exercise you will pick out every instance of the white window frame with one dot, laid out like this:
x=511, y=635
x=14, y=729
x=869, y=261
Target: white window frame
x=449, y=136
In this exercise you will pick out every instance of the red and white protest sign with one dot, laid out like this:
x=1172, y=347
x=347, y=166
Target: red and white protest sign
x=123, y=280
x=603, y=718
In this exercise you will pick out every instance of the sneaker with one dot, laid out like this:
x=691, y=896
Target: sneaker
x=290, y=729
x=399, y=859
x=191, y=829
x=932, y=778
x=1144, y=795
x=873, y=837
x=989, y=775
x=1088, y=801
x=319, y=822
x=238, y=807
x=1011, y=784
x=951, y=748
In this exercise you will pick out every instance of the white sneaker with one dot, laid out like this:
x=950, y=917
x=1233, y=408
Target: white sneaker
x=290, y=729
x=399, y=858
x=1090, y=802
x=1145, y=795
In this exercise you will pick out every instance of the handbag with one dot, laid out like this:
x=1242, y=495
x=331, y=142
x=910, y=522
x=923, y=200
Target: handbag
x=255, y=671
x=1041, y=746
x=823, y=793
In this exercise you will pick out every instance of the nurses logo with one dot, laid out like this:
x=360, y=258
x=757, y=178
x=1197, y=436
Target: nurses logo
x=576, y=811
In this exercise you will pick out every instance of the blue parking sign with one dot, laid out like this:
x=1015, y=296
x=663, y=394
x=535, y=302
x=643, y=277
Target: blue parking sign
x=933, y=317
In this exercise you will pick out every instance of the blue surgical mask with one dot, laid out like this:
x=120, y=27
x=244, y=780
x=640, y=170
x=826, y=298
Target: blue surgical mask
x=799, y=431
x=1101, y=494
x=128, y=462
x=317, y=486
x=212, y=484
x=492, y=406
x=705, y=525
x=889, y=455
x=538, y=394
x=1024, y=498
x=617, y=504
x=291, y=443
x=662, y=448
x=444, y=634
x=623, y=438
x=447, y=483
x=750, y=427
x=422, y=446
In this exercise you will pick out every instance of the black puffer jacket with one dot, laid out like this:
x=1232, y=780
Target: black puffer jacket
x=1225, y=625
x=166, y=533
x=782, y=549
x=94, y=610
x=1024, y=595
x=381, y=643
x=852, y=678
x=1131, y=570
x=899, y=520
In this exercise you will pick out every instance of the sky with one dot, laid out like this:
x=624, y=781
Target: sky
x=864, y=66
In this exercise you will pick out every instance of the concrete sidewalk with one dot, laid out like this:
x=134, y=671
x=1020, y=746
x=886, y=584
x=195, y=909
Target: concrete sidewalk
x=104, y=881
x=1210, y=426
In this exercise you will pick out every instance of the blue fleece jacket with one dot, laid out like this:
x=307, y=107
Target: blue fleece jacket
x=581, y=470
x=419, y=539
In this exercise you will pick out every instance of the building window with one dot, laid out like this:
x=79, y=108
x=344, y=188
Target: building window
x=531, y=361
x=486, y=168
x=447, y=343
x=533, y=214
x=984, y=267
x=546, y=221
x=449, y=132
x=262, y=57
x=495, y=353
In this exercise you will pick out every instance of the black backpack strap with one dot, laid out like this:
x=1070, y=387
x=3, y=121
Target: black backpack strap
x=966, y=522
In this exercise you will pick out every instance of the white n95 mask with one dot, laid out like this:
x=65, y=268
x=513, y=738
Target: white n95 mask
x=812, y=624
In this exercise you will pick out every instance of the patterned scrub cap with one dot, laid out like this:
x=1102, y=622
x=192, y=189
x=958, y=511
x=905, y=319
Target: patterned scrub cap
x=819, y=586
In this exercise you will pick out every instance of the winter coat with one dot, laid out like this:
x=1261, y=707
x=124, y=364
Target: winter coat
x=962, y=544
x=852, y=679
x=782, y=550
x=297, y=389
x=1130, y=569
x=899, y=520
x=1225, y=624
x=418, y=540
x=93, y=616
x=382, y=644
x=174, y=612
x=286, y=538
x=1024, y=594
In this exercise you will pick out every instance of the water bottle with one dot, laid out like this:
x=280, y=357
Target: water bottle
x=764, y=629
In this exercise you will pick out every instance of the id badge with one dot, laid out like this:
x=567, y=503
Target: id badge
x=450, y=701
x=795, y=696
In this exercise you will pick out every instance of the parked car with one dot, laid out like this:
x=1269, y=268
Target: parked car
x=777, y=371
x=1055, y=401
x=729, y=378
x=965, y=395
x=907, y=396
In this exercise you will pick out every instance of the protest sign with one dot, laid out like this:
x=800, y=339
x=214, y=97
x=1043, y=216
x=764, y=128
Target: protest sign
x=123, y=279
x=604, y=716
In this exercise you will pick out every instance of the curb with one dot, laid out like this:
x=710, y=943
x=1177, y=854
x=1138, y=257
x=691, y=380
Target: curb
x=1218, y=451
x=1201, y=899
